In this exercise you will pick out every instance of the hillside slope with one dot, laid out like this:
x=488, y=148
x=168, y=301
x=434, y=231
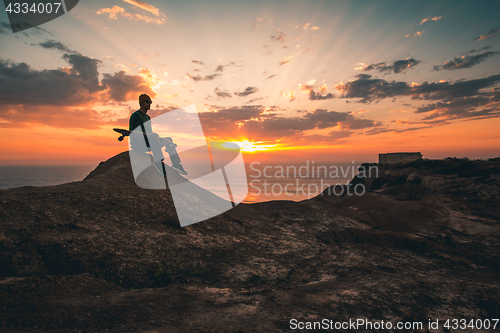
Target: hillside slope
x=103, y=254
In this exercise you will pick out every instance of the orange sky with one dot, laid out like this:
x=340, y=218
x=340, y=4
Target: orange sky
x=330, y=82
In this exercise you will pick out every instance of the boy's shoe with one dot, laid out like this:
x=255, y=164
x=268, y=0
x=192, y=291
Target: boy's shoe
x=180, y=169
x=160, y=168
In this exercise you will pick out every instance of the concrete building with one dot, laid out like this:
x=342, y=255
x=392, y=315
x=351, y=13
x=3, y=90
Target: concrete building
x=398, y=157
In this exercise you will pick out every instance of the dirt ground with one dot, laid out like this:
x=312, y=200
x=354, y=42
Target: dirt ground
x=104, y=255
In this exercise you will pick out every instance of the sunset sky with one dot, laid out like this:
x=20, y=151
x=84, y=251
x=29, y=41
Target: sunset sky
x=290, y=80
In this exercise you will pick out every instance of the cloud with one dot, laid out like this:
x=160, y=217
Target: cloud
x=255, y=24
x=363, y=67
x=471, y=107
x=286, y=60
x=203, y=78
x=150, y=78
x=397, y=66
x=142, y=5
x=432, y=124
x=335, y=135
x=55, y=45
x=254, y=100
x=489, y=34
x=112, y=12
x=402, y=121
x=261, y=123
x=279, y=36
x=87, y=70
x=221, y=68
x=265, y=50
x=448, y=91
x=116, y=11
x=159, y=111
x=318, y=119
x=19, y=84
x=369, y=89
x=20, y=116
x=229, y=118
x=322, y=118
x=222, y=94
x=418, y=33
x=464, y=61
x=123, y=87
x=306, y=26
x=75, y=85
x=247, y=91
x=460, y=99
x=353, y=124
x=60, y=97
x=5, y=28
x=435, y=18
x=290, y=94
x=320, y=95
x=481, y=49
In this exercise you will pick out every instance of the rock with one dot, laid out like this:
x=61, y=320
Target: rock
x=112, y=256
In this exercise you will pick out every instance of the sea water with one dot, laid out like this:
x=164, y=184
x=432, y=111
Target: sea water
x=266, y=182
x=12, y=176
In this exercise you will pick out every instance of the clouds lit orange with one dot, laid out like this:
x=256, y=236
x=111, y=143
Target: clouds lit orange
x=322, y=80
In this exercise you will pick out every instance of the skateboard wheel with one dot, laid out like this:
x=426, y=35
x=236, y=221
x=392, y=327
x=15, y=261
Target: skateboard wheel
x=120, y=138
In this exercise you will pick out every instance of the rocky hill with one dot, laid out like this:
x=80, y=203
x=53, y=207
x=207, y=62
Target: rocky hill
x=103, y=254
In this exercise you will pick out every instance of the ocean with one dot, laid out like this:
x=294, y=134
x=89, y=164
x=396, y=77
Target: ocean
x=12, y=176
x=266, y=182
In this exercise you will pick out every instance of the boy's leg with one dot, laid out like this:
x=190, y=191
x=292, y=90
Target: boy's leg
x=174, y=157
x=172, y=152
x=155, y=145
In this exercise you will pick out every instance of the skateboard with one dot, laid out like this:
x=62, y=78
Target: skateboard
x=167, y=143
x=123, y=132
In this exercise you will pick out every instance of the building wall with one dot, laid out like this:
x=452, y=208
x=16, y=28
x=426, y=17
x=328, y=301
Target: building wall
x=398, y=157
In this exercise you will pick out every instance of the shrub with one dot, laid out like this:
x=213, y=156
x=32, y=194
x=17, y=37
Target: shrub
x=163, y=278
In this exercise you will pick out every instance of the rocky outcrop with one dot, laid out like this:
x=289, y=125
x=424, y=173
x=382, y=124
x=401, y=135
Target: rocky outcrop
x=474, y=184
x=103, y=254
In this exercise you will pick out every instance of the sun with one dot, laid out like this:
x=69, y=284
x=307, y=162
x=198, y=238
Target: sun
x=250, y=147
